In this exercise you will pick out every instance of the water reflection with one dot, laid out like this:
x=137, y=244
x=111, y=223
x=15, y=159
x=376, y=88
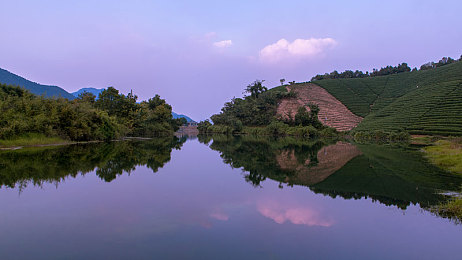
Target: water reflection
x=301, y=215
x=52, y=165
x=390, y=175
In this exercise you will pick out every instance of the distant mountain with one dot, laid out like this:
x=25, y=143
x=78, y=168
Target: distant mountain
x=94, y=91
x=9, y=78
x=175, y=115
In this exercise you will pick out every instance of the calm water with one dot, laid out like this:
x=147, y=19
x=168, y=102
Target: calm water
x=224, y=198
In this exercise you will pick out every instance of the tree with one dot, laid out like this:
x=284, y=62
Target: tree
x=87, y=97
x=203, y=125
x=282, y=81
x=302, y=117
x=256, y=88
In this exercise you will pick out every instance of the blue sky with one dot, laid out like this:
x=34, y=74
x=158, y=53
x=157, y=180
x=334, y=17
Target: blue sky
x=199, y=54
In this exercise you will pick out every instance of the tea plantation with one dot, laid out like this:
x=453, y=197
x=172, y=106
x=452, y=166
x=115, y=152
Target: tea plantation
x=420, y=102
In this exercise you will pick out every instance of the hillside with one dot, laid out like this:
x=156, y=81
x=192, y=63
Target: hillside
x=94, y=91
x=421, y=102
x=9, y=78
x=365, y=95
x=331, y=111
x=175, y=116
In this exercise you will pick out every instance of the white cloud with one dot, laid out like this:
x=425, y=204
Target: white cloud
x=298, y=49
x=223, y=44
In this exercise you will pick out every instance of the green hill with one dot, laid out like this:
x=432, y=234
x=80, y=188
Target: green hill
x=421, y=102
x=9, y=78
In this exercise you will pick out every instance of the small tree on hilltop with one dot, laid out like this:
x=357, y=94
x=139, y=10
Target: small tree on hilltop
x=282, y=81
x=256, y=88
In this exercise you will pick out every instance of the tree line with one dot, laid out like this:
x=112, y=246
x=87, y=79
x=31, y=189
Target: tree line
x=85, y=118
x=388, y=70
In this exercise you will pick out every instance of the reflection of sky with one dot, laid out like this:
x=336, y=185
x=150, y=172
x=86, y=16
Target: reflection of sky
x=198, y=207
x=298, y=215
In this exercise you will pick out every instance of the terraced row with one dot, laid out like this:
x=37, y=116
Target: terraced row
x=434, y=109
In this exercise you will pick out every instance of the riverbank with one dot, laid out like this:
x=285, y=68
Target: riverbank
x=446, y=154
x=451, y=209
x=31, y=140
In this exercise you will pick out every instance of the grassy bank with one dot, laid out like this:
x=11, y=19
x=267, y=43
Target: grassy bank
x=451, y=209
x=31, y=140
x=446, y=154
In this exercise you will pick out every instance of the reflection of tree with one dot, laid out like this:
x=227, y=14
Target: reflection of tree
x=255, y=179
x=37, y=166
x=390, y=175
x=256, y=155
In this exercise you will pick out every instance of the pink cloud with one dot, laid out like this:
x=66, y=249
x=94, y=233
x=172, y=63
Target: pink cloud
x=219, y=216
x=298, y=216
x=296, y=50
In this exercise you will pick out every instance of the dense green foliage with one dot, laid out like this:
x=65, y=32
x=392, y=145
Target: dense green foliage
x=420, y=102
x=349, y=74
x=9, y=78
x=258, y=109
x=275, y=128
x=380, y=136
x=109, y=160
x=388, y=70
x=111, y=116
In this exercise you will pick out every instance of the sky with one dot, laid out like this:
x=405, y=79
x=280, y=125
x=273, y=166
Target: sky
x=199, y=54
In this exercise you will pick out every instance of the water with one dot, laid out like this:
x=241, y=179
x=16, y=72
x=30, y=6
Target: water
x=227, y=198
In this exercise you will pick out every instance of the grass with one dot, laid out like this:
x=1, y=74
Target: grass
x=451, y=209
x=446, y=154
x=421, y=102
x=31, y=140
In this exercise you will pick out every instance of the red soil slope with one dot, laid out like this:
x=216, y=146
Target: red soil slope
x=331, y=111
x=330, y=159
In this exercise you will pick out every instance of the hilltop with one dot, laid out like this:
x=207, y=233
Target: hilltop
x=9, y=78
x=94, y=91
x=188, y=119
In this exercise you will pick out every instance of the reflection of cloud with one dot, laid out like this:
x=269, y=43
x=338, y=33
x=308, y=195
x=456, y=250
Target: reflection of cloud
x=297, y=216
x=300, y=48
x=219, y=216
x=223, y=44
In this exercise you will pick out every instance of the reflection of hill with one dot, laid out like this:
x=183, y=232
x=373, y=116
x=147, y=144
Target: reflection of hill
x=393, y=176
x=18, y=168
x=329, y=159
x=257, y=155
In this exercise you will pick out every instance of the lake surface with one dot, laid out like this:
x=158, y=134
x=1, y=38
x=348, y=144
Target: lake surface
x=224, y=198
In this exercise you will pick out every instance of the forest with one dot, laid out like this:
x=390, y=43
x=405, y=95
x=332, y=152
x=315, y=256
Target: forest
x=110, y=116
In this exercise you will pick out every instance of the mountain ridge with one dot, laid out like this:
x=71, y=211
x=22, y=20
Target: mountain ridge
x=9, y=78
